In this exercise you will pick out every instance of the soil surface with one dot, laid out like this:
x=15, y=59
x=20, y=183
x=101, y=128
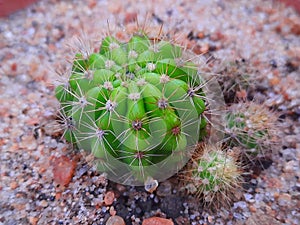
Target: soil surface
x=46, y=181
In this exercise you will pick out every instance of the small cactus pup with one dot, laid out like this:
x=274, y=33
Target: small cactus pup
x=213, y=175
x=253, y=127
x=137, y=107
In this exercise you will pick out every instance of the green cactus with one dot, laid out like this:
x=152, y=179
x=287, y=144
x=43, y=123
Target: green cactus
x=253, y=127
x=213, y=176
x=134, y=105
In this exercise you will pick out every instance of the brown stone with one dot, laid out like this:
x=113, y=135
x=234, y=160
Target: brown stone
x=63, y=170
x=252, y=208
x=201, y=35
x=157, y=221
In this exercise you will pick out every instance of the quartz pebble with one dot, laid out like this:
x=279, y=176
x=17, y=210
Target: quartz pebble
x=115, y=220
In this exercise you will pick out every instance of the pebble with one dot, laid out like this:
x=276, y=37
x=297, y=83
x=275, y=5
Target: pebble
x=252, y=208
x=240, y=204
x=284, y=199
x=249, y=197
x=289, y=167
x=63, y=170
x=115, y=220
x=130, y=17
x=33, y=220
x=112, y=211
x=109, y=198
x=13, y=185
x=157, y=221
x=44, y=203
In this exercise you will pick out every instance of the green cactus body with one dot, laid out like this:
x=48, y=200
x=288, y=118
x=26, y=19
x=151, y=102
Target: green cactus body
x=134, y=104
x=251, y=126
x=215, y=175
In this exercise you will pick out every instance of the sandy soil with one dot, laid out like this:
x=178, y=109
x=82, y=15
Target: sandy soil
x=257, y=38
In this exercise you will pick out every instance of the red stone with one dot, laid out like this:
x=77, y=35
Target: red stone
x=157, y=221
x=8, y=7
x=130, y=17
x=63, y=170
x=293, y=3
x=14, y=67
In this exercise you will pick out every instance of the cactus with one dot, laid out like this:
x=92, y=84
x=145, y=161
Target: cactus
x=213, y=175
x=253, y=127
x=136, y=107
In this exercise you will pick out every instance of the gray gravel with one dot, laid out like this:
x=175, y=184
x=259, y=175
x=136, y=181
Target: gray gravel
x=261, y=37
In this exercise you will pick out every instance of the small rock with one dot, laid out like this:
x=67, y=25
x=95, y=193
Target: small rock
x=112, y=211
x=157, y=221
x=44, y=203
x=252, y=208
x=248, y=197
x=33, y=220
x=115, y=220
x=240, y=204
x=150, y=185
x=13, y=185
x=109, y=198
x=63, y=170
x=130, y=17
x=201, y=35
x=290, y=166
x=284, y=199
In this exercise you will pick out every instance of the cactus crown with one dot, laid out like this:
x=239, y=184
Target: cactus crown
x=136, y=107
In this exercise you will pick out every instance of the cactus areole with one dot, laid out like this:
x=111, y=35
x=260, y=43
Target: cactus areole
x=137, y=107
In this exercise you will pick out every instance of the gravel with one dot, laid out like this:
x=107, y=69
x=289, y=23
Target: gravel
x=259, y=37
